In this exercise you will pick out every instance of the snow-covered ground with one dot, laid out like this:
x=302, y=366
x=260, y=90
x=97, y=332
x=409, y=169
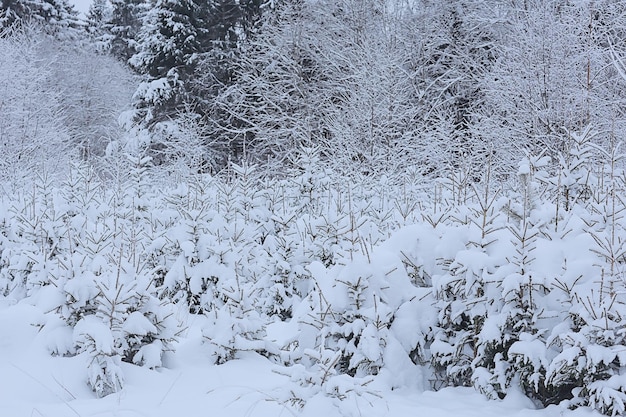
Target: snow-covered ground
x=33, y=384
x=389, y=299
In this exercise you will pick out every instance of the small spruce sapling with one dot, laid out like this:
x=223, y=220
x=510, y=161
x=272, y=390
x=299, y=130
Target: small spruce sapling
x=512, y=323
x=464, y=292
x=591, y=361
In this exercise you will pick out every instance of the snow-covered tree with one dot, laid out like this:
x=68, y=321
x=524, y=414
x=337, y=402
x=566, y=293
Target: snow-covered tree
x=173, y=36
x=466, y=292
x=551, y=78
x=56, y=16
x=33, y=136
x=94, y=88
x=123, y=26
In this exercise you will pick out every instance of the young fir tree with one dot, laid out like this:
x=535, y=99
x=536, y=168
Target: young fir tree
x=111, y=294
x=589, y=368
x=518, y=286
x=464, y=292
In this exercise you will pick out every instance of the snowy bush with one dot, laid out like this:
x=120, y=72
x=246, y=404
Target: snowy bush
x=341, y=286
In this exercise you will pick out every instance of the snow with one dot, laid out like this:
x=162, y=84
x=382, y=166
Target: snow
x=225, y=303
x=137, y=323
x=296, y=289
x=34, y=383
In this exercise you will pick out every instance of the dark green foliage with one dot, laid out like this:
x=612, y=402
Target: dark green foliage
x=179, y=36
x=55, y=14
x=124, y=25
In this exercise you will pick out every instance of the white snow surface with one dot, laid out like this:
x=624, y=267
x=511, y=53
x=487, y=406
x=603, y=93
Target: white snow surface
x=33, y=383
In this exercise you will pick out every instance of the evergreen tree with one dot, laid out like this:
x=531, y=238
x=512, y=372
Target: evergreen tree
x=55, y=14
x=100, y=12
x=173, y=37
x=187, y=53
x=124, y=25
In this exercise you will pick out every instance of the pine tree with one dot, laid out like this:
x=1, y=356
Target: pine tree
x=187, y=52
x=55, y=14
x=100, y=13
x=464, y=292
x=124, y=25
x=174, y=36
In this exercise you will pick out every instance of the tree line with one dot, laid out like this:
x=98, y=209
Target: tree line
x=378, y=85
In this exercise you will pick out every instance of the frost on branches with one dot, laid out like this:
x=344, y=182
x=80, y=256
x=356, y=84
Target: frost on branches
x=493, y=286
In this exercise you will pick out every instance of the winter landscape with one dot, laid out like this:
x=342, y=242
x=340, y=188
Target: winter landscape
x=312, y=207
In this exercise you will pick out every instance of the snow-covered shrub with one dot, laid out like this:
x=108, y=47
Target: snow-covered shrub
x=236, y=327
x=87, y=272
x=320, y=377
x=355, y=322
x=350, y=311
x=589, y=365
x=37, y=240
x=104, y=367
x=283, y=280
x=467, y=293
x=123, y=299
x=590, y=361
x=515, y=303
x=187, y=277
